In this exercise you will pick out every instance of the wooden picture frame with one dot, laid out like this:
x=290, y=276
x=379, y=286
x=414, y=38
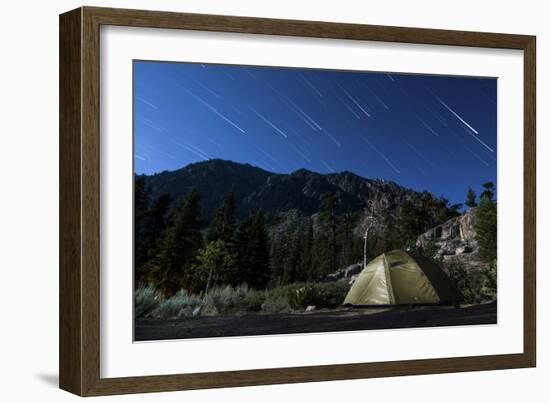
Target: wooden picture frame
x=79, y=346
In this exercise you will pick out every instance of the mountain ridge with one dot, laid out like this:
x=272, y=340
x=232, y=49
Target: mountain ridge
x=301, y=190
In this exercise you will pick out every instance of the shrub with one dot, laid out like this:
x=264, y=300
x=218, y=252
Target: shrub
x=226, y=300
x=145, y=301
x=276, y=304
x=478, y=285
x=254, y=300
x=301, y=295
x=237, y=299
x=172, y=306
x=488, y=282
x=332, y=295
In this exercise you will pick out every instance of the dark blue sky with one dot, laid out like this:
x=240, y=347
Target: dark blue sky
x=434, y=133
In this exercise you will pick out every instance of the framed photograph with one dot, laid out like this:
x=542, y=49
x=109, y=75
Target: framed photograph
x=249, y=201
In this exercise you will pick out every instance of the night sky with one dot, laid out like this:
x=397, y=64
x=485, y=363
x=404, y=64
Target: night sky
x=434, y=133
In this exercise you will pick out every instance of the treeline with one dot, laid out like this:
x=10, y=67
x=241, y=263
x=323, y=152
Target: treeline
x=309, y=248
x=176, y=248
x=173, y=250
x=401, y=230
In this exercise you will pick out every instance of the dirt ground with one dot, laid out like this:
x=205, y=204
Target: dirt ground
x=345, y=319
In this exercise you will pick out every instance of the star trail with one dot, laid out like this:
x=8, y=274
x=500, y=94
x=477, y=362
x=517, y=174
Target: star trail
x=425, y=132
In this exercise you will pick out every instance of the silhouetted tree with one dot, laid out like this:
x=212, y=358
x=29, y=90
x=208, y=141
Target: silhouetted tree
x=284, y=255
x=157, y=220
x=142, y=199
x=349, y=243
x=486, y=224
x=488, y=191
x=411, y=222
x=471, y=198
x=180, y=243
x=253, y=252
x=223, y=224
x=328, y=221
x=308, y=270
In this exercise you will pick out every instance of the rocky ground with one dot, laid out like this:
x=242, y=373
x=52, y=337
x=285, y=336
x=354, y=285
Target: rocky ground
x=314, y=322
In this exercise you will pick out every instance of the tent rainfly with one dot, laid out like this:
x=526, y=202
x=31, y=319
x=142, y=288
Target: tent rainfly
x=397, y=278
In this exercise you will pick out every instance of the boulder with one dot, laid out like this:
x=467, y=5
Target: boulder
x=337, y=275
x=352, y=270
x=344, y=274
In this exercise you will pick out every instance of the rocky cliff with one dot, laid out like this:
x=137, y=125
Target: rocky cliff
x=454, y=239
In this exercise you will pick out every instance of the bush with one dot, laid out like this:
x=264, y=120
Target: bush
x=241, y=299
x=303, y=296
x=332, y=295
x=321, y=295
x=146, y=300
x=478, y=285
x=171, y=307
x=276, y=304
x=237, y=299
x=487, y=280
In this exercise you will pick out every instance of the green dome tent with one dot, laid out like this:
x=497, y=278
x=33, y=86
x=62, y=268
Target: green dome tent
x=397, y=278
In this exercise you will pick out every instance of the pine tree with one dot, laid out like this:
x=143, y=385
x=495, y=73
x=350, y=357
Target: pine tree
x=223, y=224
x=142, y=200
x=471, y=198
x=179, y=246
x=306, y=259
x=486, y=224
x=253, y=252
x=410, y=223
x=292, y=270
x=261, y=271
x=243, y=244
x=157, y=220
x=488, y=191
x=151, y=229
x=284, y=256
x=157, y=215
x=328, y=220
x=142, y=197
x=280, y=258
x=276, y=262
